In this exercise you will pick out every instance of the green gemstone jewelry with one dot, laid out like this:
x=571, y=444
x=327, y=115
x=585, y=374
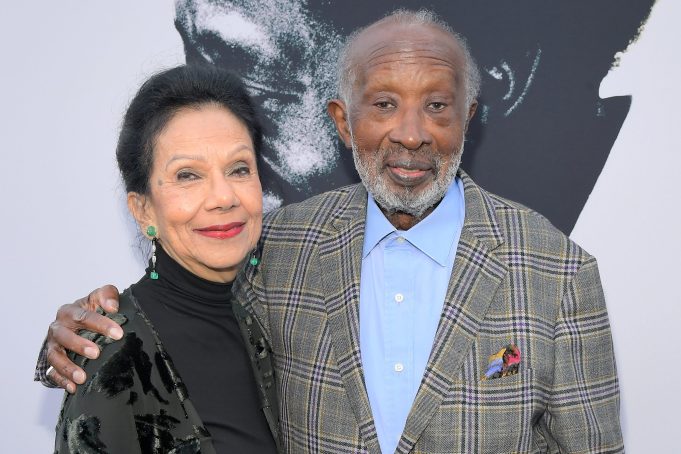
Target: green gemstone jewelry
x=151, y=231
x=254, y=260
x=153, y=274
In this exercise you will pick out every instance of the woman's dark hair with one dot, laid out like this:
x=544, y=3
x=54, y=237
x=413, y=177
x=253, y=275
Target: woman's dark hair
x=160, y=97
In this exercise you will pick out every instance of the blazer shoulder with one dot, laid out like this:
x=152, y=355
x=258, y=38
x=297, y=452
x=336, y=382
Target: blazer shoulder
x=320, y=209
x=525, y=228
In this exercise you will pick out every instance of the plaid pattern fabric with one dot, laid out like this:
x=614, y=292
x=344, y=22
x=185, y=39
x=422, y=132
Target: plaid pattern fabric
x=40, y=372
x=516, y=280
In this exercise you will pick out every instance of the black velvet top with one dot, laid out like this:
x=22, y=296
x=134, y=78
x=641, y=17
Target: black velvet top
x=194, y=320
x=179, y=380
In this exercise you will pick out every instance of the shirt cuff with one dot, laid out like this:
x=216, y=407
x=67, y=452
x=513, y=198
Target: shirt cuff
x=40, y=373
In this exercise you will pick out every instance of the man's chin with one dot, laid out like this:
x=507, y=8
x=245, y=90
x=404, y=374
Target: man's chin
x=407, y=200
x=416, y=200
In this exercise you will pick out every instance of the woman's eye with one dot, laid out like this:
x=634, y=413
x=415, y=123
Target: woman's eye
x=186, y=175
x=241, y=171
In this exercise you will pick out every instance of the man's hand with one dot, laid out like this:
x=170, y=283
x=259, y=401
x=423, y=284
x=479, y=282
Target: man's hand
x=62, y=334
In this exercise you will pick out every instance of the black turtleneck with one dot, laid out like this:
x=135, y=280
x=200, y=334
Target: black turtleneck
x=193, y=318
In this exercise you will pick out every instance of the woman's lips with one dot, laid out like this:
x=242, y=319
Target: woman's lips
x=222, y=231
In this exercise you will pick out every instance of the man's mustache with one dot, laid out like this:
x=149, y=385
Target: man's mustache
x=422, y=158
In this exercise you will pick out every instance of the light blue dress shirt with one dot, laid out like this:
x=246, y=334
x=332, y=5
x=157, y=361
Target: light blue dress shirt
x=404, y=282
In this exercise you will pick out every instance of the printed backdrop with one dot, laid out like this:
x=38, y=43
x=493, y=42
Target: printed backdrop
x=541, y=135
x=577, y=119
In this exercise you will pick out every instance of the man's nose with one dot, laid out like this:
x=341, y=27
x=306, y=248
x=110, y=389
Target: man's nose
x=410, y=129
x=221, y=194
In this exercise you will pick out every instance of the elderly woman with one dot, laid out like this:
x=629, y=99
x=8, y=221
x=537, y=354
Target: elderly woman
x=182, y=378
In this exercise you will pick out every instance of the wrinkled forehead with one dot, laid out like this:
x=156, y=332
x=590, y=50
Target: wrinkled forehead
x=389, y=44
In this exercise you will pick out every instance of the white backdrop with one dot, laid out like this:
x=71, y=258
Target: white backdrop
x=69, y=68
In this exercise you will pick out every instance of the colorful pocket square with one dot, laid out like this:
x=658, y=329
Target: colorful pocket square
x=504, y=362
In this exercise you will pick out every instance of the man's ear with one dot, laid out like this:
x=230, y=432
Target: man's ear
x=140, y=208
x=337, y=110
x=471, y=111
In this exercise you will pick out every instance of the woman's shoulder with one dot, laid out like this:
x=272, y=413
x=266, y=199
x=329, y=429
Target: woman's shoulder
x=129, y=316
x=130, y=386
x=120, y=361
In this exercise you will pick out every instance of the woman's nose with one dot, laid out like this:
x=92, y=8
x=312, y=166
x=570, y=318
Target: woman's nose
x=221, y=194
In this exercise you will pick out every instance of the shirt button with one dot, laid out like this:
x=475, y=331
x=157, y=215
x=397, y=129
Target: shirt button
x=400, y=239
x=399, y=297
x=399, y=367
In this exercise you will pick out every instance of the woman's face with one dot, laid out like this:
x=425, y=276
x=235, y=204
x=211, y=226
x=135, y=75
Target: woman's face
x=205, y=197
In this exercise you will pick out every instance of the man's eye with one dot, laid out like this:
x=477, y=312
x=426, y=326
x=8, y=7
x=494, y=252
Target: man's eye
x=384, y=104
x=186, y=175
x=437, y=106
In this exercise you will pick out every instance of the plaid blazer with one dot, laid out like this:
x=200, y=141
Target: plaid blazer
x=516, y=279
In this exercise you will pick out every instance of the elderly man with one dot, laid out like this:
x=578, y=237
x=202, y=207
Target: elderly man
x=416, y=312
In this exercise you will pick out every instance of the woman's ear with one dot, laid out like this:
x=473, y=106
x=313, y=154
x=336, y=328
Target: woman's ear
x=141, y=210
x=337, y=110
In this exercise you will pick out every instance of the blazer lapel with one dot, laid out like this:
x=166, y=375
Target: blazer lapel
x=475, y=278
x=340, y=256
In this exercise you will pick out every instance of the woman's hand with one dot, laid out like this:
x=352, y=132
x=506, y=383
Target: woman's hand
x=63, y=334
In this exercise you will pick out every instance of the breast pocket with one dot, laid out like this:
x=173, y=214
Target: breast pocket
x=504, y=408
x=491, y=416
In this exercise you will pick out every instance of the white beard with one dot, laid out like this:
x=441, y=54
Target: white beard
x=409, y=201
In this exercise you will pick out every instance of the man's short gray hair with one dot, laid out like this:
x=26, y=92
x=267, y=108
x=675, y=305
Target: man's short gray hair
x=347, y=69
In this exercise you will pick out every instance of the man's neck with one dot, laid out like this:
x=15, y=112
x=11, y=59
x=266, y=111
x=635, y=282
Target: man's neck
x=404, y=221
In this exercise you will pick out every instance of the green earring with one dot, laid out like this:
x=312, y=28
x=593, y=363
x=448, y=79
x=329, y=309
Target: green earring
x=254, y=260
x=151, y=231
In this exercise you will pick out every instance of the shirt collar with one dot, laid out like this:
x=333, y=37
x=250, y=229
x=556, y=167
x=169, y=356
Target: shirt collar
x=377, y=226
x=434, y=235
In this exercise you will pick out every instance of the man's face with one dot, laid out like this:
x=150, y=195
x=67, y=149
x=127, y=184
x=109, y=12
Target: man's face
x=407, y=115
